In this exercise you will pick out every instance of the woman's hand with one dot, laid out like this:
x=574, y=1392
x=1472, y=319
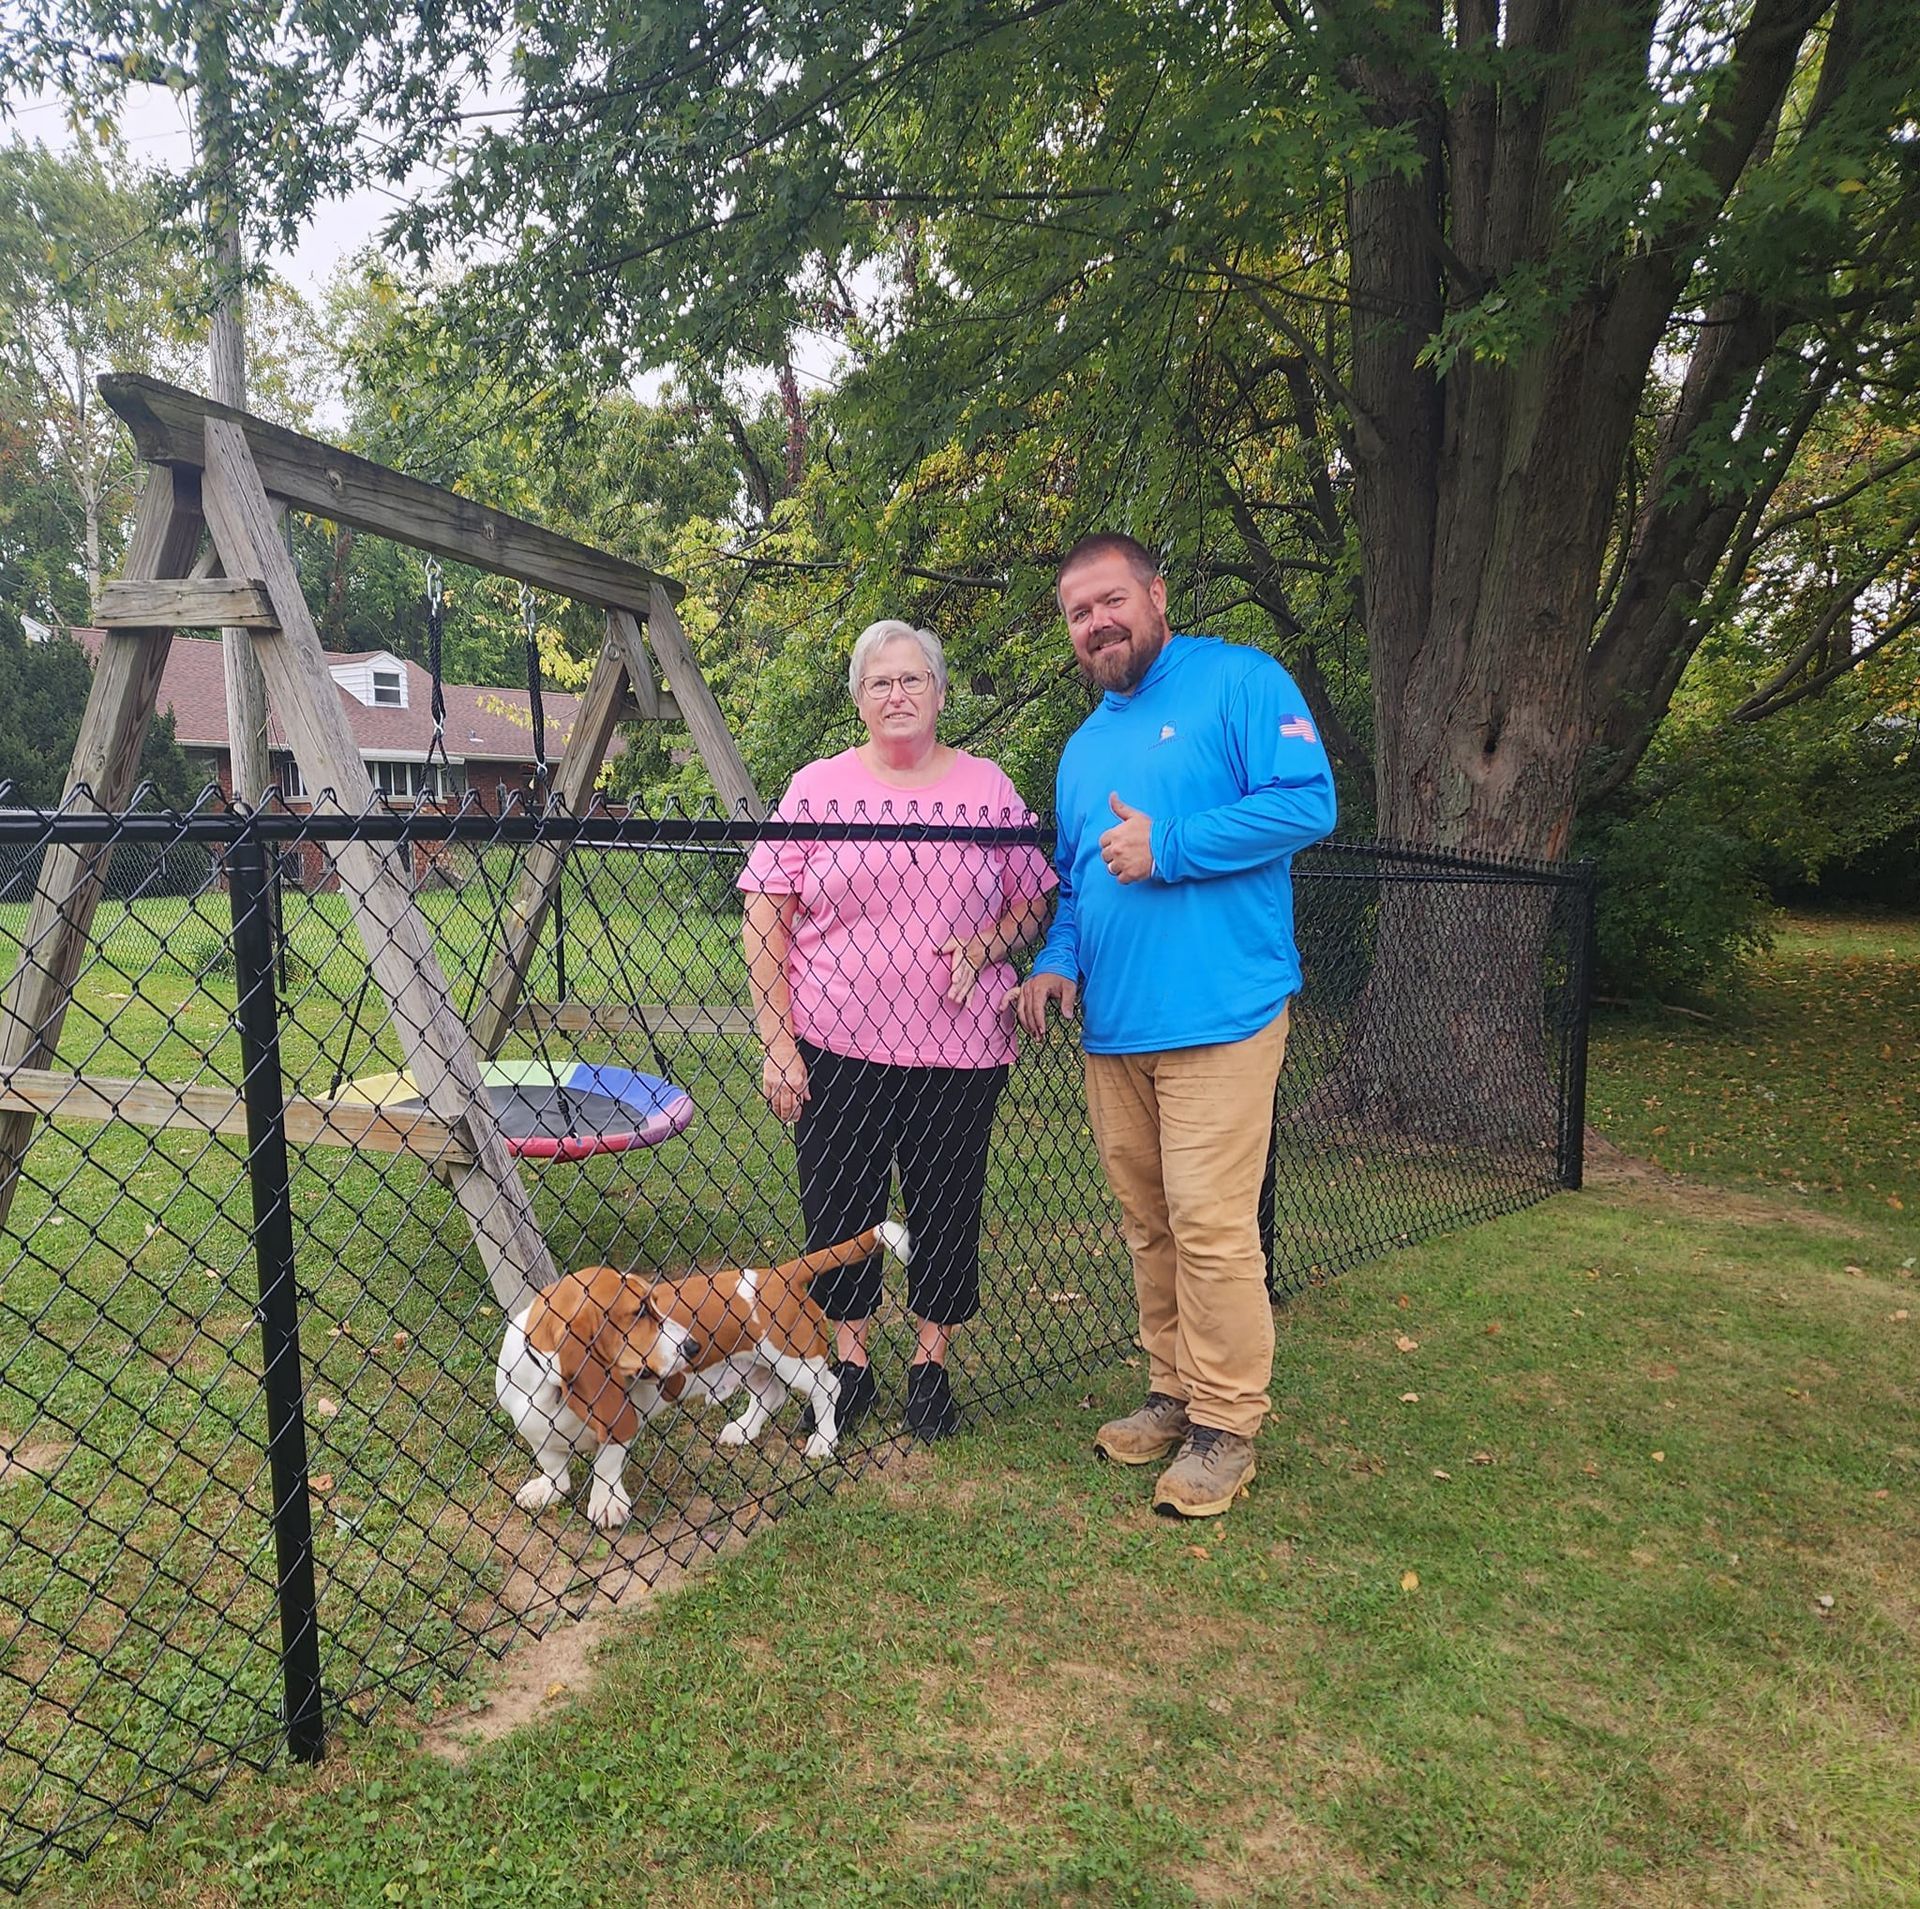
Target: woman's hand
x=783, y=1079
x=968, y=960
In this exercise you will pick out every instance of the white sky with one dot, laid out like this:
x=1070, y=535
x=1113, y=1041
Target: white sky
x=156, y=129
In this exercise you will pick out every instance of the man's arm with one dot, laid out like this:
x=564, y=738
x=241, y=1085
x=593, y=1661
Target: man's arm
x=1289, y=802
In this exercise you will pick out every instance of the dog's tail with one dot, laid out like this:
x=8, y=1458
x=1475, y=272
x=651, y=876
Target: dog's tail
x=889, y=1234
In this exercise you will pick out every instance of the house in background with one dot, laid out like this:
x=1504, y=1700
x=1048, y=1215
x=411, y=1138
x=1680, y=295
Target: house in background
x=389, y=707
x=488, y=736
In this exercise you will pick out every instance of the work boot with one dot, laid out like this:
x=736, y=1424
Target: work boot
x=856, y=1397
x=1212, y=1470
x=931, y=1412
x=1142, y=1436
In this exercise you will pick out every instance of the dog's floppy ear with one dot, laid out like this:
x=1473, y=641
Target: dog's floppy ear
x=595, y=1361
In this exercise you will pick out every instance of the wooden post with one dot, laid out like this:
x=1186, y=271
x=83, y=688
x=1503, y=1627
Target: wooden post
x=106, y=758
x=439, y=1053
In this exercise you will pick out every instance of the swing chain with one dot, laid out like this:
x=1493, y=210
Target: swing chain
x=437, y=749
x=530, y=623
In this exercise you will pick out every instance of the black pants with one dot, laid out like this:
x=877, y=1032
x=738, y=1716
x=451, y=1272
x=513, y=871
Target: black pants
x=860, y=1118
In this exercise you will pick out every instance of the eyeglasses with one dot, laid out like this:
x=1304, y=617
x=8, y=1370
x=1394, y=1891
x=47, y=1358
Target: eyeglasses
x=879, y=688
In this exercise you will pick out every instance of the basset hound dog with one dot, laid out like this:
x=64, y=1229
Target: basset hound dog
x=592, y=1357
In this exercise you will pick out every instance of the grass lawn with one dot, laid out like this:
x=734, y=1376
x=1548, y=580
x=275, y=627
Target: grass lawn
x=1810, y=1085
x=1580, y=1569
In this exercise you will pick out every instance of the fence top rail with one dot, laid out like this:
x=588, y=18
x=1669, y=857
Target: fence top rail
x=214, y=822
x=169, y=427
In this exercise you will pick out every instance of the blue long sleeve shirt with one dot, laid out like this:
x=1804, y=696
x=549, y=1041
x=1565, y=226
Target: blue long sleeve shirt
x=1216, y=745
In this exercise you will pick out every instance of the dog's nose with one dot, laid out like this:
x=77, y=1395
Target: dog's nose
x=691, y=1349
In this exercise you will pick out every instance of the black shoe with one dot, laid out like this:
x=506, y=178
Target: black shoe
x=858, y=1396
x=931, y=1412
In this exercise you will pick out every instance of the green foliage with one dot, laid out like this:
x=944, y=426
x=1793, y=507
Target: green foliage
x=90, y=282
x=1681, y=903
x=43, y=693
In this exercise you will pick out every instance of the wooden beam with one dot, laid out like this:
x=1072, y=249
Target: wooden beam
x=202, y=604
x=106, y=759
x=623, y=629
x=438, y=1052
x=526, y=911
x=701, y=713
x=169, y=426
x=222, y=1110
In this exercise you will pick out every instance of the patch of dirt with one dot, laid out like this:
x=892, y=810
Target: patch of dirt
x=31, y=1461
x=1279, y=1845
x=604, y=1582
x=1609, y=1169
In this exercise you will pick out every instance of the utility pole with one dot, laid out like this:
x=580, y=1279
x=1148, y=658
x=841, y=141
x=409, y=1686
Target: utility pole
x=227, y=364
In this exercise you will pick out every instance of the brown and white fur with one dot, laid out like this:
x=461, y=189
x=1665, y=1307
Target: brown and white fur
x=587, y=1361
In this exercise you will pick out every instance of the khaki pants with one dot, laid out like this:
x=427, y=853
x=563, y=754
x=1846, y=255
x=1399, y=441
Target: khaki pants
x=1183, y=1138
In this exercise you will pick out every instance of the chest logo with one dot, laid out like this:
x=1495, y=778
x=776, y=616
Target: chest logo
x=1166, y=733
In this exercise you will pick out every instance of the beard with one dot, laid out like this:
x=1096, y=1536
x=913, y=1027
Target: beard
x=1121, y=667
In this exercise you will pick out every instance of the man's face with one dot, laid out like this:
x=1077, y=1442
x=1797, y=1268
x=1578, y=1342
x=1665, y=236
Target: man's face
x=1116, y=618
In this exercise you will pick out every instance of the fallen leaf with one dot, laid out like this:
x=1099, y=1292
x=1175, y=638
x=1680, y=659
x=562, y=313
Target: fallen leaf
x=1409, y=1580
x=325, y=1408
x=555, y=1690
x=1403, y=1302
x=321, y=1481
x=1895, y=1201
x=1407, y=1345
x=1591, y=1469
x=1086, y=1404
x=1409, y=1398
x=1898, y=1313
x=1493, y=1329
x=1857, y=1271
x=1447, y=1476
x=1483, y=1458
x=400, y=1339
x=1881, y=1493
x=1824, y=1601
x=1196, y=1551
x=1659, y=1458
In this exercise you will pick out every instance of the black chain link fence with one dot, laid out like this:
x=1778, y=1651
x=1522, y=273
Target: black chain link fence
x=253, y=1474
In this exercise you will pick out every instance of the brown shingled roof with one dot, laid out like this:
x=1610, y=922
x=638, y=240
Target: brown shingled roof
x=484, y=724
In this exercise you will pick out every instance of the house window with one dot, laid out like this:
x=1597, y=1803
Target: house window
x=286, y=773
x=387, y=688
x=405, y=781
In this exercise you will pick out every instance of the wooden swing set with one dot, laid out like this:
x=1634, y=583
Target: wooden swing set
x=207, y=551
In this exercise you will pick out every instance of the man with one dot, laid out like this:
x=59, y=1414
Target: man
x=1181, y=800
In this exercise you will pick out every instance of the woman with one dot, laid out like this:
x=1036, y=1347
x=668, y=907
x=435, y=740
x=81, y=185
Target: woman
x=877, y=970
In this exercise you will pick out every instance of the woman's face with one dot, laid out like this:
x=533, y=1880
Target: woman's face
x=900, y=700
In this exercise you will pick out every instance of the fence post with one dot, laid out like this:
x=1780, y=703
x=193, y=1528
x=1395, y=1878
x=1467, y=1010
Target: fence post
x=1573, y=1113
x=279, y=1309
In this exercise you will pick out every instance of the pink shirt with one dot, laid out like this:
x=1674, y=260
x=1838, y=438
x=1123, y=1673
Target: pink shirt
x=865, y=969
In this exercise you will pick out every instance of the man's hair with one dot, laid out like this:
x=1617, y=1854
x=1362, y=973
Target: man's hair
x=1113, y=543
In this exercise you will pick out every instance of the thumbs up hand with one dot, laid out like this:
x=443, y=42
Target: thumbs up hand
x=1127, y=847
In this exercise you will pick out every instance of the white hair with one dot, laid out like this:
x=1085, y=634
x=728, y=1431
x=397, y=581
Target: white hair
x=890, y=629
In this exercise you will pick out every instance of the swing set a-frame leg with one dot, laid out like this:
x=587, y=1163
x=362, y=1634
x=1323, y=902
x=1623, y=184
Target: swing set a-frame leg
x=106, y=759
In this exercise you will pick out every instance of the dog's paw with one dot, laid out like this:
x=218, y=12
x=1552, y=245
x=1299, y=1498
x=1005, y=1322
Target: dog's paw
x=608, y=1510
x=820, y=1446
x=538, y=1493
x=734, y=1432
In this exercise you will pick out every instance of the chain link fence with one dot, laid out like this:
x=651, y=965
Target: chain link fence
x=253, y=1474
